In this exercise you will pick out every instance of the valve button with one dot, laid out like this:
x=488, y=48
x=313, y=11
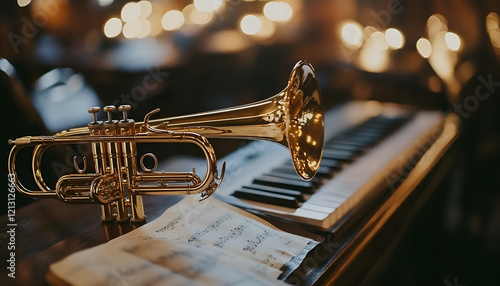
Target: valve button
x=109, y=109
x=94, y=111
x=124, y=109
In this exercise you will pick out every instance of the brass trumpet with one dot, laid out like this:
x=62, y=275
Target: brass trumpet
x=292, y=118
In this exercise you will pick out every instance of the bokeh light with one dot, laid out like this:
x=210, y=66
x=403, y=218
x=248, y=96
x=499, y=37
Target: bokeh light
x=267, y=28
x=394, y=38
x=351, y=33
x=424, y=47
x=208, y=5
x=146, y=9
x=130, y=12
x=23, y=3
x=172, y=20
x=131, y=29
x=452, y=41
x=278, y=11
x=112, y=28
x=250, y=24
x=195, y=16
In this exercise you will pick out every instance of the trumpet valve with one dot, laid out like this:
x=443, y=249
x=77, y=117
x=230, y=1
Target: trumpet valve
x=109, y=109
x=93, y=111
x=110, y=126
x=127, y=126
x=124, y=109
x=95, y=126
x=106, y=189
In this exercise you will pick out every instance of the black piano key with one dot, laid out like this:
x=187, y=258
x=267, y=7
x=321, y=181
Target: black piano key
x=330, y=164
x=337, y=146
x=379, y=122
x=315, y=181
x=365, y=136
x=352, y=153
x=360, y=140
x=370, y=140
x=374, y=126
x=265, y=197
x=387, y=122
x=334, y=165
x=364, y=132
x=349, y=141
x=323, y=171
x=301, y=186
x=342, y=155
x=381, y=132
x=280, y=191
x=376, y=129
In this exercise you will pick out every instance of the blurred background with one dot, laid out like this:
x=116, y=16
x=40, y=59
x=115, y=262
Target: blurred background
x=60, y=57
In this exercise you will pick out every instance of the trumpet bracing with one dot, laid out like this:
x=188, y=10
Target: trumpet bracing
x=292, y=118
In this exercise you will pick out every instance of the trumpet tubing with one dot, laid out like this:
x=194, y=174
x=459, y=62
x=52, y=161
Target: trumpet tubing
x=292, y=118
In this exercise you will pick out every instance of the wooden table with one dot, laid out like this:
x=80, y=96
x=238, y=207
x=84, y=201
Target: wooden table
x=48, y=230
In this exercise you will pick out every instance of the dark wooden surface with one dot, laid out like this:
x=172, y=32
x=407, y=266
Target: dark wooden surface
x=48, y=230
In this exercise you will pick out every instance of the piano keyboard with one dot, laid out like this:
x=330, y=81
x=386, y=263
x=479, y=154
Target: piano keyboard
x=365, y=142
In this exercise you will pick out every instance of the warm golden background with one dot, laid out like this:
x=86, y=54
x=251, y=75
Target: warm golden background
x=59, y=57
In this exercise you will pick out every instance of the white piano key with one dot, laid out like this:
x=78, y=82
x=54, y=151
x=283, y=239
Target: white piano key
x=326, y=201
x=318, y=208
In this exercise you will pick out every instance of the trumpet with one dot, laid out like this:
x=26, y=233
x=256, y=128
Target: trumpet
x=292, y=118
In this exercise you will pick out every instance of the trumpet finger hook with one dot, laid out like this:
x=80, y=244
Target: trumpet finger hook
x=80, y=171
x=149, y=127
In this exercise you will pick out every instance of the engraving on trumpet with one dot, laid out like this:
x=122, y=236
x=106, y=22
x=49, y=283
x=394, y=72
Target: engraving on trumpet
x=292, y=118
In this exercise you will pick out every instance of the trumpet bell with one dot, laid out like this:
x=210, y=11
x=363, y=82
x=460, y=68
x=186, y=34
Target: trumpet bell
x=305, y=122
x=292, y=118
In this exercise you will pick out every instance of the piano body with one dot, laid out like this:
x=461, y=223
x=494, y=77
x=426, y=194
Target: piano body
x=371, y=148
x=394, y=126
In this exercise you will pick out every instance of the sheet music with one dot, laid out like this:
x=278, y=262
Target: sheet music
x=207, y=242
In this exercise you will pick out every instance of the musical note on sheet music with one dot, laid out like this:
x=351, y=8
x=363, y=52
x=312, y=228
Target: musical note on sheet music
x=191, y=243
x=215, y=223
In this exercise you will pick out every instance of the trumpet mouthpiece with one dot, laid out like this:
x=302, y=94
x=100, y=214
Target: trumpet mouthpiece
x=22, y=141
